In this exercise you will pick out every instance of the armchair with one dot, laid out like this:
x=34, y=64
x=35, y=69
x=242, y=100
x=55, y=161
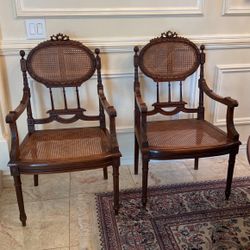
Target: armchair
x=62, y=63
x=170, y=59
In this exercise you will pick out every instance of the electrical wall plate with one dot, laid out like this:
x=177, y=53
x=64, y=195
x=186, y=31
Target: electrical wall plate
x=35, y=28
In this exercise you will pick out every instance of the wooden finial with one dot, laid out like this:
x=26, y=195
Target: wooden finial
x=97, y=51
x=22, y=53
x=136, y=49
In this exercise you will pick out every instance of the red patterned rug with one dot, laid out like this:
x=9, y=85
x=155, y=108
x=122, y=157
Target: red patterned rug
x=190, y=216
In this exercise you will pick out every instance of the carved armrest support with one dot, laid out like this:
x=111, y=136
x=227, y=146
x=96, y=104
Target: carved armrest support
x=230, y=103
x=14, y=150
x=14, y=115
x=112, y=114
x=109, y=109
x=231, y=130
x=11, y=119
x=141, y=117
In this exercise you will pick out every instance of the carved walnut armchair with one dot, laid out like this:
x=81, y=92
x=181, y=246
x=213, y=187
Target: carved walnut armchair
x=170, y=59
x=65, y=64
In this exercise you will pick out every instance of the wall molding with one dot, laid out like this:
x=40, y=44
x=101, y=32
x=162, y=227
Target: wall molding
x=220, y=70
x=228, y=10
x=126, y=44
x=25, y=11
x=237, y=121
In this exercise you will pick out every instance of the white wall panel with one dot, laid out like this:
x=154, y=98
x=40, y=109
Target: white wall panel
x=236, y=7
x=4, y=135
x=107, y=7
x=231, y=80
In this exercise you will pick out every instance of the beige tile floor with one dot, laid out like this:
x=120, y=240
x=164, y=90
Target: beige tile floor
x=61, y=210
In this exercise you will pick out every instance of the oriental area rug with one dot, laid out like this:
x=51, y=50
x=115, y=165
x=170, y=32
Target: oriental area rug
x=190, y=216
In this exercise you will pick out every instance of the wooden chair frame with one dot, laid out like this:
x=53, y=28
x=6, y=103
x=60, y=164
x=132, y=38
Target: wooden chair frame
x=141, y=113
x=20, y=166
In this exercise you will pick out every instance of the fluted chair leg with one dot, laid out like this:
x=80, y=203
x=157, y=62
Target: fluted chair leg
x=19, y=195
x=116, y=165
x=105, y=173
x=196, y=163
x=136, y=156
x=35, y=180
x=230, y=171
x=144, y=180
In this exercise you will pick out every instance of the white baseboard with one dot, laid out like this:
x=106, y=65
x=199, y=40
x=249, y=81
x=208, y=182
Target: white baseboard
x=4, y=155
x=1, y=181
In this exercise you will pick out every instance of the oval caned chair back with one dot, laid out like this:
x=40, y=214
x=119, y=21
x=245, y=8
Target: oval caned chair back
x=61, y=62
x=169, y=58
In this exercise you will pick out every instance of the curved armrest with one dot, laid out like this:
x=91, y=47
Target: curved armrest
x=224, y=100
x=109, y=109
x=11, y=120
x=141, y=105
x=112, y=114
x=231, y=104
x=14, y=115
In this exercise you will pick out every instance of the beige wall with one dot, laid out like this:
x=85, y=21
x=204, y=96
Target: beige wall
x=222, y=25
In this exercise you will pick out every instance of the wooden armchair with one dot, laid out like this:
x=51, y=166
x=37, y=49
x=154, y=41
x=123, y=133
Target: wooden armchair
x=62, y=63
x=171, y=59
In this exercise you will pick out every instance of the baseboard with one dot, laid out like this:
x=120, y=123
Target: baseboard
x=129, y=160
x=4, y=155
x=1, y=181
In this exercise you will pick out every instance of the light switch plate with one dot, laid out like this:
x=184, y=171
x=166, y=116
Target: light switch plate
x=35, y=28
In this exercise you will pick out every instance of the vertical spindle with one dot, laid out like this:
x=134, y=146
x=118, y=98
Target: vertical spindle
x=169, y=92
x=51, y=99
x=78, y=99
x=157, y=88
x=65, y=99
x=180, y=91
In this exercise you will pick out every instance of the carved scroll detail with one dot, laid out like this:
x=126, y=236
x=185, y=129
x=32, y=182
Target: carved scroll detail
x=169, y=34
x=166, y=35
x=59, y=37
